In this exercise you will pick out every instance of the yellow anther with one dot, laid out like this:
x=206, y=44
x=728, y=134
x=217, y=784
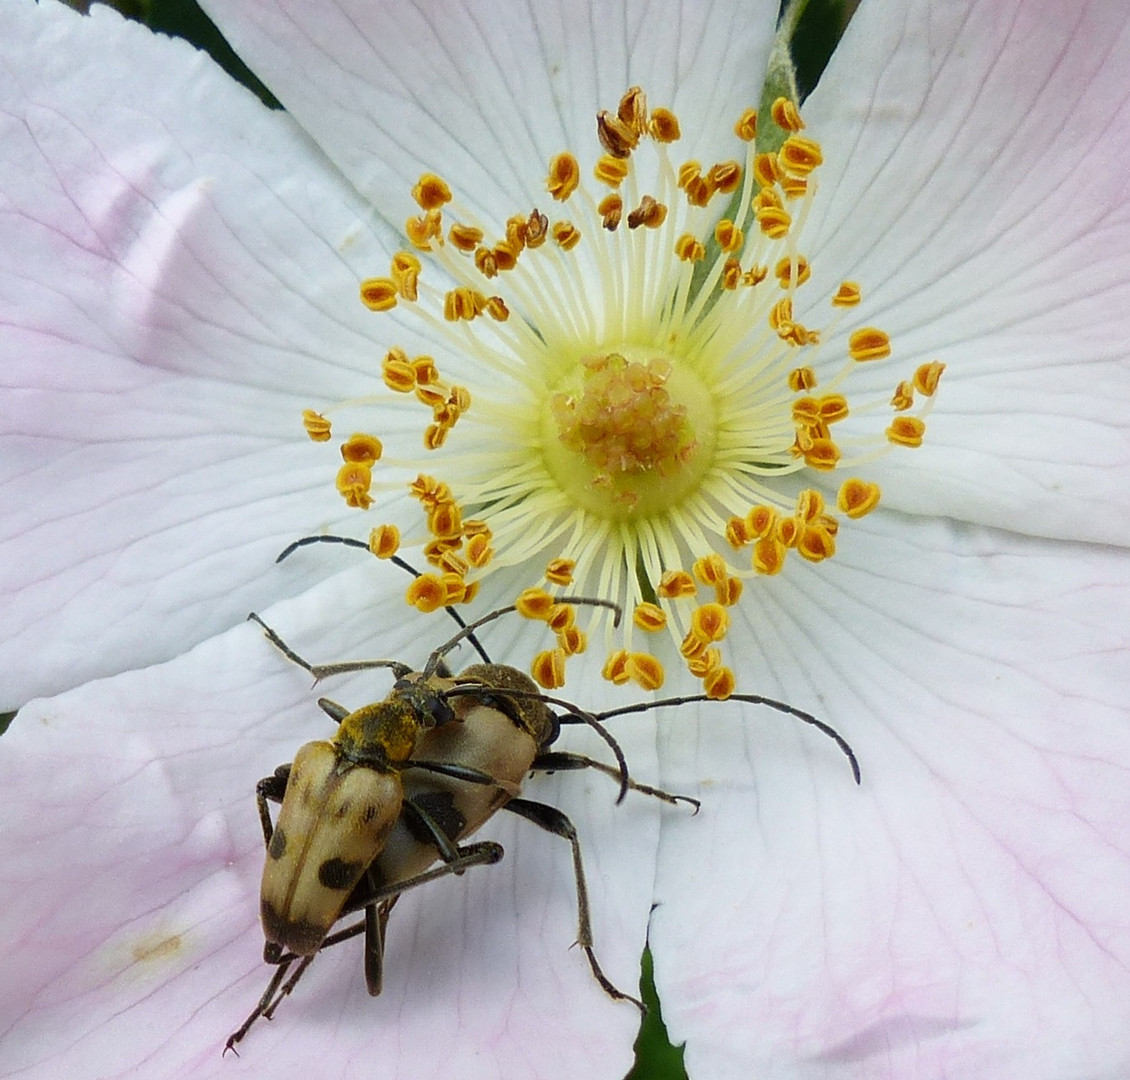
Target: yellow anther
x=675, y=583
x=496, y=308
x=476, y=527
x=729, y=592
x=465, y=237
x=406, y=272
x=463, y=304
x=564, y=176
x=516, y=228
x=632, y=110
x=768, y=555
x=663, y=126
x=700, y=666
x=485, y=262
x=431, y=396
x=719, y=684
x=534, y=604
x=729, y=236
x=799, y=155
x=316, y=425
x=618, y=138
x=610, y=209
x=816, y=544
x=506, y=255
x=649, y=213
x=537, y=229
x=774, y=222
x=794, y=187
x=427, y=593
x=786, y=115
x=460, y=398
x=906, y=431
x=710, y=621
x=431, y=192
x=926, y=377
x=755, y=275
x=688, y=171
x=833, y=408
x=710, y=569
x=699, y=191
x=560, y=571
x=548, y=669
x=454, y=563
x=649, y=617
x=445, y=521
x=903, y=397
x=615, y=668
x=645, y=671
x=424, y=371
x=788, y=531
x=792, y=271
x=746, y=127
x=379, y=294
x=761, y=520
x=869, y=343
x=429, y=490
x=479, y=551
x=435, y=435
x=561, y=617
x=398, y=372
x=421, y=231
x=809, y=505
x=566, y=235
x=453, y=587
x=365, y=449
x=822, y=454
x=384, y=541
x=573, y=640
x=725, y=176
x=731, y=274
x=693, y=645
x=353, y=482
x=688, y=249
x=847, y=295
x=611, y=170
x=738, y=532
x=766, y=171
x=801, y=379
x=857, y=497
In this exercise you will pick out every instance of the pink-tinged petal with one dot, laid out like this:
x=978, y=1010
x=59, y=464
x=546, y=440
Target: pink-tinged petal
x=178, y=271
x=977, y=184
x=962, y=913
x=129, y=899
x=487, y=95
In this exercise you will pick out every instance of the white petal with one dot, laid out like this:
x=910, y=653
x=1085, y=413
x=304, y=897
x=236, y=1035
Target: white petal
x=178, y=279
x=976, y=185
x=486, y=96
x=129, y=895
x=963, y=911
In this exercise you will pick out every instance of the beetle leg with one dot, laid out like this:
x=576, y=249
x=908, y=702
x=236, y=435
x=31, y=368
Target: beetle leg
x=265, y=1003
x=553, y=820
x=376, y=920
x=271, y=788
x=564, y=761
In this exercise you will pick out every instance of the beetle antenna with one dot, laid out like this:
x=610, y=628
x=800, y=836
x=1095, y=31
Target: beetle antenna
x=749, y=699
x=349, y=541
x=469, y=628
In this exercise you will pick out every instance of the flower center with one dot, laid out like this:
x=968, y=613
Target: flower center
x=639, y=401
x=621, y=435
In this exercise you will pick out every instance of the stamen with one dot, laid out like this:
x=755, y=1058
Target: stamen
x=637, y=403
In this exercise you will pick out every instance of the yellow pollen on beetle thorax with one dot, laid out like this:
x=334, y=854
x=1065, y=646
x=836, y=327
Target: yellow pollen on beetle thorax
x=633, y=394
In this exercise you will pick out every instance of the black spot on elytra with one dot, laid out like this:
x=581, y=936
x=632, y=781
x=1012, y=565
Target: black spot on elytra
x=339, y=873
x=440, y=807
x=276, y=849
